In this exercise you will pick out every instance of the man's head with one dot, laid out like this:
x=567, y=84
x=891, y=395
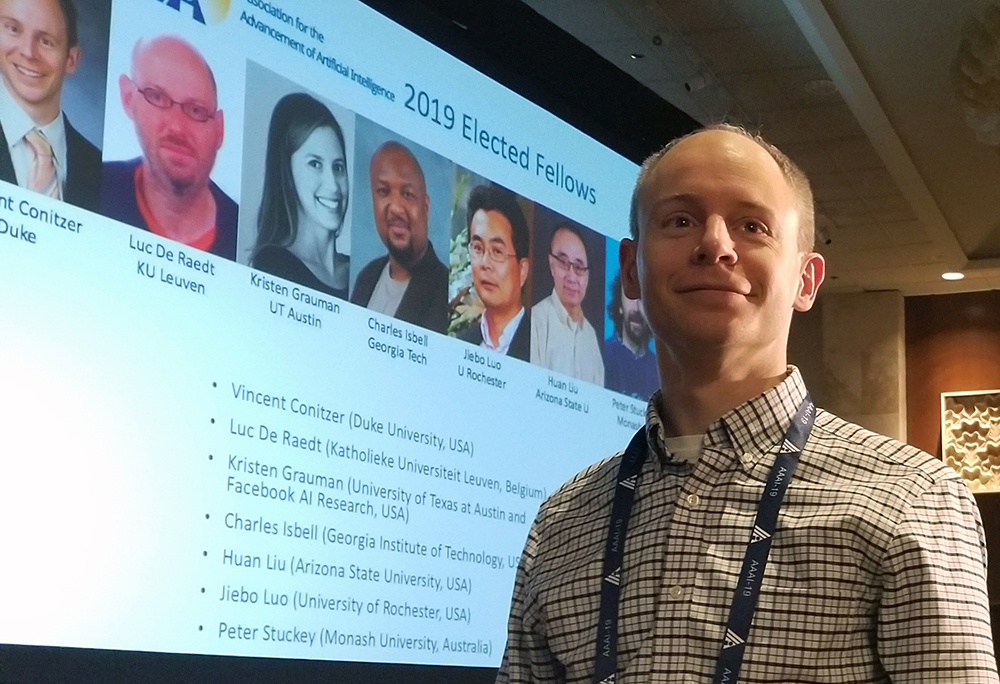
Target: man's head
x=171, y=98
x=719, y=259
x=795, y=177
x=38, y=48
x=400, y=202
x=498, y=247
x=569, y=265
x=627, y=315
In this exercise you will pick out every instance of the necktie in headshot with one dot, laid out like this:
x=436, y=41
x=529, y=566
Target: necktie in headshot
x=43, y=166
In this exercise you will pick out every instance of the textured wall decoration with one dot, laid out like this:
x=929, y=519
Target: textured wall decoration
x=970, y=437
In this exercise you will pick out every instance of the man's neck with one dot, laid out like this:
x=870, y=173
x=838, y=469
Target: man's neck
x=182, y=216
x=398, y=272
x=575, y=313
x=697, y=393
x=637, y=347
x=41, y=114
x=497, y=320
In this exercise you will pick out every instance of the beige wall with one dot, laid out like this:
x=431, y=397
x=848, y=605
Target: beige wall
x=851, y=350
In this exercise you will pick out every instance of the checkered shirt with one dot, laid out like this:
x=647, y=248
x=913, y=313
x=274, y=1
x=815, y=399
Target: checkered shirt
x=877, y=572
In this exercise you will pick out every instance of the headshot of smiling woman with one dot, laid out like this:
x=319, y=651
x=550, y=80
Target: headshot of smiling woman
x=304, y=200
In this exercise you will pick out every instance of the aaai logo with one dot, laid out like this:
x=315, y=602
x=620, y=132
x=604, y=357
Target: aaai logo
x=216, y=9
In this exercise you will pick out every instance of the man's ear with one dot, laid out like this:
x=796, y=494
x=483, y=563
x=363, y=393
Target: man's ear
x=810, y=278
x=127, y=93
x=629, y=266
x=525, y=266
x=73, y=59
x=220, y=128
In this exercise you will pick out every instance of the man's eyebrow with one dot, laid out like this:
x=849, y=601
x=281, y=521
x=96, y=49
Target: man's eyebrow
x=693, y=199
x=567, y=257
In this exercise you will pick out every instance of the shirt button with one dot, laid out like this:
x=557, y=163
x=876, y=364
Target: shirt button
x=692, y=500
x=675, y=592
x=747, y=460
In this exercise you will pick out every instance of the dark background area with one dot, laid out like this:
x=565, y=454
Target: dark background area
x=514, y=45
x=49, y=665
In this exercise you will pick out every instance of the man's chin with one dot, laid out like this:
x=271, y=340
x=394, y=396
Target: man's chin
x=404, y=256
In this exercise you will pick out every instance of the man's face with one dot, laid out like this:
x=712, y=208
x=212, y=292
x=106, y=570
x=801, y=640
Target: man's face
x=499, y=275
x=179, y=150
x=35, y=55
x=568, y=264
x=717, y=261
x=634, y=326
x=400, y=203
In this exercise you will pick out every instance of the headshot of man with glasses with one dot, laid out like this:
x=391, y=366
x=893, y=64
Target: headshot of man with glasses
x=499, y=241
x=562, y=339
x=171, y=99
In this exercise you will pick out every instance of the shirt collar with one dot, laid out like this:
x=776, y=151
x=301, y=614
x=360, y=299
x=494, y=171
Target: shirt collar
x=752, y=429
x=503, y=344
x=563, y=314
x=16, y=122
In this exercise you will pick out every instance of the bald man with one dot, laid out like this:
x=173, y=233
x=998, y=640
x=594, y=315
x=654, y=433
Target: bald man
x=410, y=282
x=172, y=100
x=39, y=48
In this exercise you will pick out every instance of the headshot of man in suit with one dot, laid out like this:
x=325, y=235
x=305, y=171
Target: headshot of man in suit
x=410, y=282
x=39, y=48
x=171, y=98
x=498, y=251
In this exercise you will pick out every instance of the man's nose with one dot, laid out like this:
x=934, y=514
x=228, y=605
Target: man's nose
x=716, y=243
x=27, y=46
x=174, y=118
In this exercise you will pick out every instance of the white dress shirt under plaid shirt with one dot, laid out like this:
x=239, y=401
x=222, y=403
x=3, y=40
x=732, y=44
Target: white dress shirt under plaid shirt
x=877, y=571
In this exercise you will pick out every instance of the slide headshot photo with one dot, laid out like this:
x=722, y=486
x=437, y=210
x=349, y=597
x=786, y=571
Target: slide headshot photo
x=53, y=62
x=173, y=130
x=299, y=228
x=401, y=217
x=567, y=320
x=497, y=241
x=629, y=357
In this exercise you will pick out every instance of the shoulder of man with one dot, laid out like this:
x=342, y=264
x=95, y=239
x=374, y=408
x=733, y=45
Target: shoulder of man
x=473, y=333
x=118, y=199
x=854, y=453
x=83, y=170
x=432, y=263
x=582, y=494
x=80, y=150
x=364, y=284
x=226, y=222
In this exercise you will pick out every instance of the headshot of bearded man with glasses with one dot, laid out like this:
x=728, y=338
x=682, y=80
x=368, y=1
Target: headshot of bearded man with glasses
x=171, y=97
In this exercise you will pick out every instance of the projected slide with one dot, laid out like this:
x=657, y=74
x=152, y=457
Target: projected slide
x=301, y=320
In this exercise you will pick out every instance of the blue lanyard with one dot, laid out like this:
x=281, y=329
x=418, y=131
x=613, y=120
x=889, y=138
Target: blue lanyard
x=747, y=589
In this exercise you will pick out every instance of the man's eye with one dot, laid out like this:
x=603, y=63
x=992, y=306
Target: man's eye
x=677, y=222
x=754, y=227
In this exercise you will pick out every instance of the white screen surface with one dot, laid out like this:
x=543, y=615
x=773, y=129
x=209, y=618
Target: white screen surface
x=198, y=457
